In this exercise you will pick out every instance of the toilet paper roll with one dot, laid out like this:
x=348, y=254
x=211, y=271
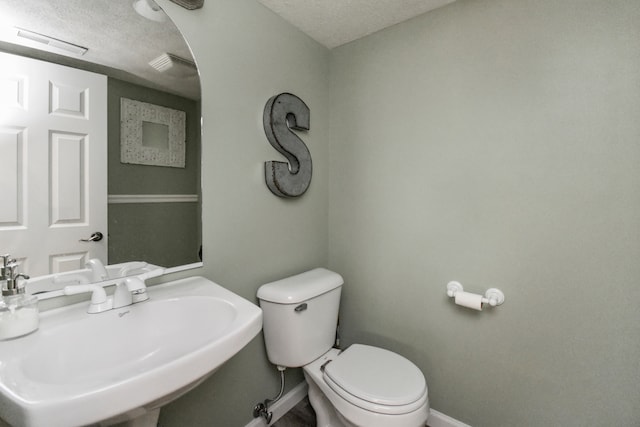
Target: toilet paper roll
x=469, y=300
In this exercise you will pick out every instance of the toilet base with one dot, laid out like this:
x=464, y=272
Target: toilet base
x=326, y=415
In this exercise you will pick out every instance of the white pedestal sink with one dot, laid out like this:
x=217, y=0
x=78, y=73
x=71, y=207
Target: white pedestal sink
x=80, y=368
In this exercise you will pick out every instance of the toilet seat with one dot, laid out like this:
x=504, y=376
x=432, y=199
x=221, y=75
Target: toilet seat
x=377, y=380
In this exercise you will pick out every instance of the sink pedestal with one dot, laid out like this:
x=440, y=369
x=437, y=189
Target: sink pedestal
x=145, y=419
x=150, y=419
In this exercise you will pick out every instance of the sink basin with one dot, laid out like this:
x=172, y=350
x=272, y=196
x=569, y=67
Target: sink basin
x=80, y=368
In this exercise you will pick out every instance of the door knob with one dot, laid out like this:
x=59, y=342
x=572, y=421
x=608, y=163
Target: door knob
x=95, y=237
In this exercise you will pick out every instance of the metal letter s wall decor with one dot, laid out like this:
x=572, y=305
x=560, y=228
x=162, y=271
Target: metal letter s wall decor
x=282, y=113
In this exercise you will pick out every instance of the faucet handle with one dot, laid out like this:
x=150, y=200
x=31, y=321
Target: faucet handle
x=138, y=289
x=99, y=300
x=122, y=296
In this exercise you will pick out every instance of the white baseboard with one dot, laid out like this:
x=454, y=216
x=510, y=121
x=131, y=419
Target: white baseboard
x=299, y=392
x=283, y=405
x=438, y=419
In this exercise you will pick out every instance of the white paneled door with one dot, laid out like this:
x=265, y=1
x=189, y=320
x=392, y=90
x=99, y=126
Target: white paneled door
x=53, y=164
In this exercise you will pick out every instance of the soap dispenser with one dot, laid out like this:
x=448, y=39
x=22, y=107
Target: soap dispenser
x=18, y=310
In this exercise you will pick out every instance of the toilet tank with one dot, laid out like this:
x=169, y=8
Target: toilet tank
x=300, y=314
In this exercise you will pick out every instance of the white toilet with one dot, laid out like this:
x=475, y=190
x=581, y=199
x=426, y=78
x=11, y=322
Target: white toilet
x=360, y=386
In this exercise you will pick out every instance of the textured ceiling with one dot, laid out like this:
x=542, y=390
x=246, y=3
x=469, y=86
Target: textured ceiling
x=120, y=41
x=336, y=22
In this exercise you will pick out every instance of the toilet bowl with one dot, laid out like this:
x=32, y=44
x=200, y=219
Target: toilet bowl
x=362, y=385
x=368, y=386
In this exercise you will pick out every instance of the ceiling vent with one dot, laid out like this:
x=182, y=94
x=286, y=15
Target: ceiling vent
x=174, y=66
x=51, y=42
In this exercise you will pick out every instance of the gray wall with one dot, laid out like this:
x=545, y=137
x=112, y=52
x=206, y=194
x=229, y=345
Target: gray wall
x=496, y=142
x=245, y=55
x=166, y=234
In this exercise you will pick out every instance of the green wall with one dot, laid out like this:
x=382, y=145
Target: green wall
x=245, y=55
x=495, y=143
x=491, y=141
x=166, y=234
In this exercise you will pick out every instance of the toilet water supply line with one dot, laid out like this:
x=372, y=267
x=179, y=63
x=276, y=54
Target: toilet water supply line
x=492, y=297
x=262, y=408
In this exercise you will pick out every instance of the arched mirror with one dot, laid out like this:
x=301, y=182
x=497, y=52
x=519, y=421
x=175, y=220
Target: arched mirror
x=151, y=161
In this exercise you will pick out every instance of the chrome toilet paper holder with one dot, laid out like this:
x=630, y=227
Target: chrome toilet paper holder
x=492, y=296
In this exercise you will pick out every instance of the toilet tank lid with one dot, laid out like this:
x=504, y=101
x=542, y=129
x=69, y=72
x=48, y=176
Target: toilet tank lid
x=300, y=287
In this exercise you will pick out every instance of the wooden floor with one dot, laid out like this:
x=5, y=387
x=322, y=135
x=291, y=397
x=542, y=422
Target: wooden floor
x=302, y=415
